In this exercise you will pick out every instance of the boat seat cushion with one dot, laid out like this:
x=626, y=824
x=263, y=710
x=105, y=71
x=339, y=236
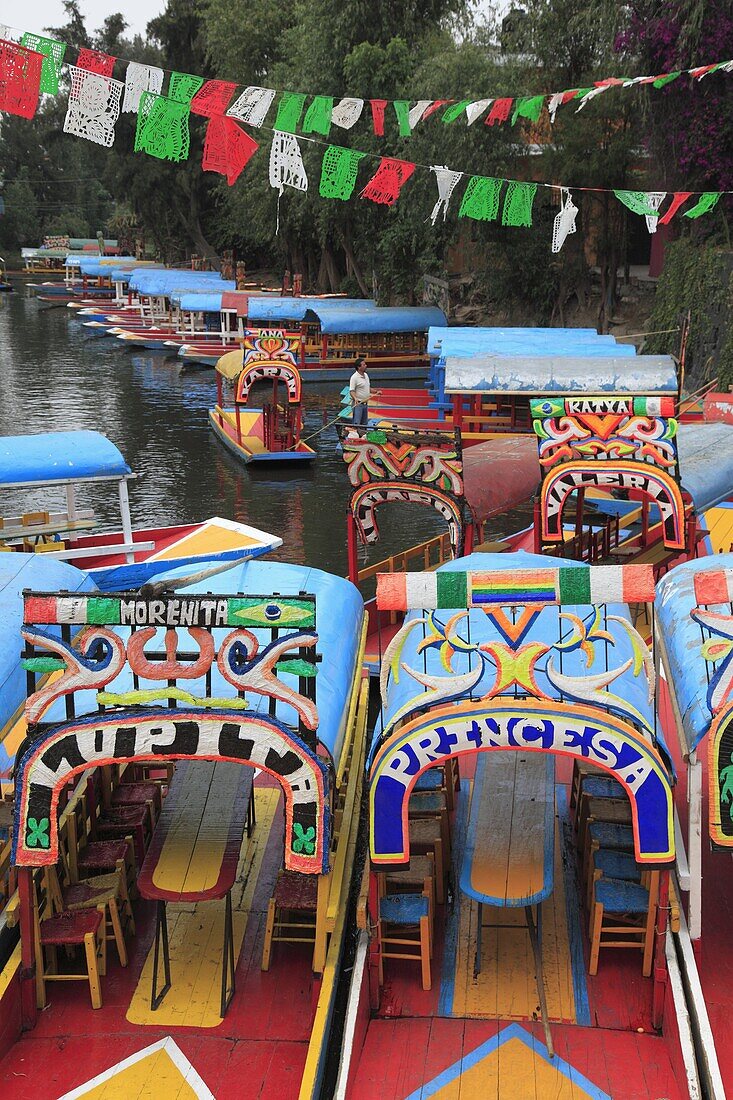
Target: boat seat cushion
x=609, y=835
x=617, y=864
x=296, y=891
x=617, y=896
x=69, y=927
x=102, y=854
x=431, y=780
x=601, y=786
x=403, y=908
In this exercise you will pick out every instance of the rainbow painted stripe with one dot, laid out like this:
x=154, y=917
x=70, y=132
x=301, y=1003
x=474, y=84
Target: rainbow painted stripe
x=581, y=584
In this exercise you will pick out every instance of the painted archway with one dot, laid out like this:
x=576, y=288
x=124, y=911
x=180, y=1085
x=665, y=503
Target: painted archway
x=125, y=736
x=366, y=500
x=269, y=371
x=576, y=730
x=655, y=483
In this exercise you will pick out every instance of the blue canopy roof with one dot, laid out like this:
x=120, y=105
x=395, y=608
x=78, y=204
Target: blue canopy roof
x=339, y=319
x=706, y=462
x=262, y=311
x=158, y=280
x=19, y=571
x=58, y=456
x=468, y=342
x=619, y=374
x=479, y=629
x=195, y=301
x=688, y=671
x=339, y=616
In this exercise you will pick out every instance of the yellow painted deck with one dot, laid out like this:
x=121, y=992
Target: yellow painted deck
x=247, y=421
x=719, y=523
x=157, y=1071
x=196, y=934
x=515, y=1070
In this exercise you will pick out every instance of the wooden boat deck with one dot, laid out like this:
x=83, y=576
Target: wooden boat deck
x=258, y=1050
x=482, y=1037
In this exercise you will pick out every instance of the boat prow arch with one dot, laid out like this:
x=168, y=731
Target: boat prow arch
x=583, y=732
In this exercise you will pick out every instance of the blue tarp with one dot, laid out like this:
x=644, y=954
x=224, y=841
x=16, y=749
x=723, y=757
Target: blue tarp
x=640, y=374
x=479, y=629
x=706, y=462
x=58, y=456
x=518, y=341
x=19, y=571
x=337, y=319
x=262, y=311
x=682, y=638
x=155, y=280
x=339, y=615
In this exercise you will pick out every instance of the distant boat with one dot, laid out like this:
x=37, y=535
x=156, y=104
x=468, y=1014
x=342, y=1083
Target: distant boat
x=272, y=433
x=119, y=559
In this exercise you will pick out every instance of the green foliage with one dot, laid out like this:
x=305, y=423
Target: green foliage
x=697, y=278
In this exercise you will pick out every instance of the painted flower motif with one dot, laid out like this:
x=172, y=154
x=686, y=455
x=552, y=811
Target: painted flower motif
x=305, y=839
x=37, y=833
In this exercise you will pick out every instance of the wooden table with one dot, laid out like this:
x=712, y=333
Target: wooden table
x=509, y=859
x=194, y=854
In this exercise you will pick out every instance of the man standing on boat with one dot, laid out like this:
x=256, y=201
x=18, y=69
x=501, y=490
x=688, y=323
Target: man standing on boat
x=360, y=392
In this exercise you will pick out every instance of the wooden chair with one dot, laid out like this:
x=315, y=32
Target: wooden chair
x=612, y=810
x=624, y=915
x=121, y=821
x=441, y=777
x=67, y=929
x=107, y=893
x=291, y=912
x=426, y=838
x=140, y=794
x=595, y=786
x=403, y=930
x=419, y=877
x=612, y=864
x=432, y=804
x=604, y=835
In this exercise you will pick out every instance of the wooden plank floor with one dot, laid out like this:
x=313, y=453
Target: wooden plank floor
x=257, y=1052
x=468, y=1060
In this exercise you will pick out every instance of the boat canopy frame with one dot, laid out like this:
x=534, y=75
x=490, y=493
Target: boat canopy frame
x=453, y=715
x=126, y=727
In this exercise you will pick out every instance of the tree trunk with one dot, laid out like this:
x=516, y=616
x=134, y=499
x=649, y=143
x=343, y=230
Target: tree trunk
x=353, y=265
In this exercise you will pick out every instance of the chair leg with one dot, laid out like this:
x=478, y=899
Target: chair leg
x=425, y=952
x=90, y=950
x=651, y=923
x=269, y=928
x=439, y=872
x=595, y=937
x=114, y=916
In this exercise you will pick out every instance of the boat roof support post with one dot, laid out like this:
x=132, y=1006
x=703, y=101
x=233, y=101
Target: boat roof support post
x=126, y=521
x=28, y=961
x=694, y=843
x=71, y=500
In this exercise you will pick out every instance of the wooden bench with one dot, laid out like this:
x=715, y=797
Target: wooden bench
x=194, y=854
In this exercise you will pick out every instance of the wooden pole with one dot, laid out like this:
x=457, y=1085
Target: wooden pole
x=351, y=551
x=28, y=1004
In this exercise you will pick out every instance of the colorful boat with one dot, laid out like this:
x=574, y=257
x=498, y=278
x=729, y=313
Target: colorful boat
x=258, y=823
x=693, y=631
x=66, y=461
x=273, y=432
x=521, y=832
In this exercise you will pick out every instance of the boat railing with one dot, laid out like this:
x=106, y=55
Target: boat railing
x=687, y=404
x=425, y=555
